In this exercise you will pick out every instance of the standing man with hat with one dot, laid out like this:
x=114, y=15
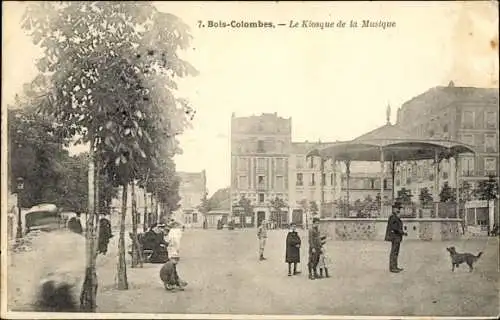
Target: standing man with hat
x=394, y=233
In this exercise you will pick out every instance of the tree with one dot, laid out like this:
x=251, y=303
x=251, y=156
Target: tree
x=404, y=196
x=247, y=207
x=446, y=194
x=313, y=208
x=112, y=74
x=465, y=191
x=487, y=189
x=425, y=196
x=220, y=196
x=277, y=206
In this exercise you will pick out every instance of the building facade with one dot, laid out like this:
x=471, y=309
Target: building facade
x=465, y=114
x=266, y=164
x=192, y=190
x=260, y=147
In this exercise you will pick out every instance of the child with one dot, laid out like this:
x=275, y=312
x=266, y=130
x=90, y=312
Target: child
x=169, y=276
x=323, y=259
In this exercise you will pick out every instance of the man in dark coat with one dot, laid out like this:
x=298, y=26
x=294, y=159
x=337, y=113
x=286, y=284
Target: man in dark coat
x=105, y=234
x=394, y=233
x=314, y=249
x=75, y=225
x=292, y=250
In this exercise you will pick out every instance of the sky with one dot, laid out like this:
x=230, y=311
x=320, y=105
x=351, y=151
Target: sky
x=335, y=84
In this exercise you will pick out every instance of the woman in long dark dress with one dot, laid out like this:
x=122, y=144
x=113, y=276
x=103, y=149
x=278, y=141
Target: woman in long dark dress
x=292, y=250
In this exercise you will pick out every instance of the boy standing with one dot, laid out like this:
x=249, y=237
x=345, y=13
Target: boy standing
x=323, y=259
x=262, y=235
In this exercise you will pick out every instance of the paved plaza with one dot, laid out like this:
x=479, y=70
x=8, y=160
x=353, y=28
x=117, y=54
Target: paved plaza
x=225, y=276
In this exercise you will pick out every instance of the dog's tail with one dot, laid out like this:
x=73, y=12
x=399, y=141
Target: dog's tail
x=479, y=255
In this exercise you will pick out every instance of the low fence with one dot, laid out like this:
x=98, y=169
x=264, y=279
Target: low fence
x=374, y=228
x=373, y=210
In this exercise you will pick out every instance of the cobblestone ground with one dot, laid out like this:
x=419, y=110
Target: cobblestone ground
x=225, y=276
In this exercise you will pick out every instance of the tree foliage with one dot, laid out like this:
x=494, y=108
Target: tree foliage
x=446, y=194
x=112, y=69
x=425, y=196
x=404, y=196
x=246, y=204
x=487, y=189
x=278, y=204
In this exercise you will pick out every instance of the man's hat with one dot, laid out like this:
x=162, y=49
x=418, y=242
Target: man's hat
x=323, y=238
x=397, y=205
x=315, y=220
x=174, y=255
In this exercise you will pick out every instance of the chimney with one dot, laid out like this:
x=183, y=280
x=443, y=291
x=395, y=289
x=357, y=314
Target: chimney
x=451, y=84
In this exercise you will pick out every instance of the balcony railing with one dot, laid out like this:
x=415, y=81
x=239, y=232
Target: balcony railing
x=261, y=187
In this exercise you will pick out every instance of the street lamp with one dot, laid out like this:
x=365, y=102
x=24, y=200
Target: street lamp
x=20, y=187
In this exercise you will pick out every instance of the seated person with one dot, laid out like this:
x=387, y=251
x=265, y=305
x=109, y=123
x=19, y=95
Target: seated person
x=153, y=240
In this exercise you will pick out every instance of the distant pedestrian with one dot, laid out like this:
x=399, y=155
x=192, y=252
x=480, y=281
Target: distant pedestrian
x=394, y=233
x=169, y=275
x=292, y=255
x=105, y=234
x=324, y=260
x=262, y=236
x=314, y=249
x=75, y=225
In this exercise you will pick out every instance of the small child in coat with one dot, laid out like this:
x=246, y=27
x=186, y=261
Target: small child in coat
x=323, y=259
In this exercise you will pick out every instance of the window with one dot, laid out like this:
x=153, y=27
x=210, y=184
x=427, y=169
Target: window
x=331, y=180
x=468, y=166
x=313, y=181
x=260, y=146
x=490, y=143
x=195, y=218
x=260, y=179
x=445, y=128
x=490, y=166
x=372, y=183
x=468, y=120
x=300, y=179
x=490, y=119
x=261, y=163
x=468, y=139
x=243, y=182
x=242, y=164
x=280, y=185
x=385, y=184
x=261, y=197
x=323, y=179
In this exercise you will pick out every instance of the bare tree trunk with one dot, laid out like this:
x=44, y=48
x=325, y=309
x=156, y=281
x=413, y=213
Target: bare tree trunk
x=88, y=293
x=156, y=217
x=122, y=266
x=144, y=223
x=135, y=216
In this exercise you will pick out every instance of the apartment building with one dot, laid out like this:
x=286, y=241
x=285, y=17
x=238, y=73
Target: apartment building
x=466, y=114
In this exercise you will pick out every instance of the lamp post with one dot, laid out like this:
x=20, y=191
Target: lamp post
x=20, y=187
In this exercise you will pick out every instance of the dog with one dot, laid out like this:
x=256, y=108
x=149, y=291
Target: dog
x=458, y=258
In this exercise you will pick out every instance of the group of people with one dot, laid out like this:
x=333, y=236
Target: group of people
x=318, y=259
